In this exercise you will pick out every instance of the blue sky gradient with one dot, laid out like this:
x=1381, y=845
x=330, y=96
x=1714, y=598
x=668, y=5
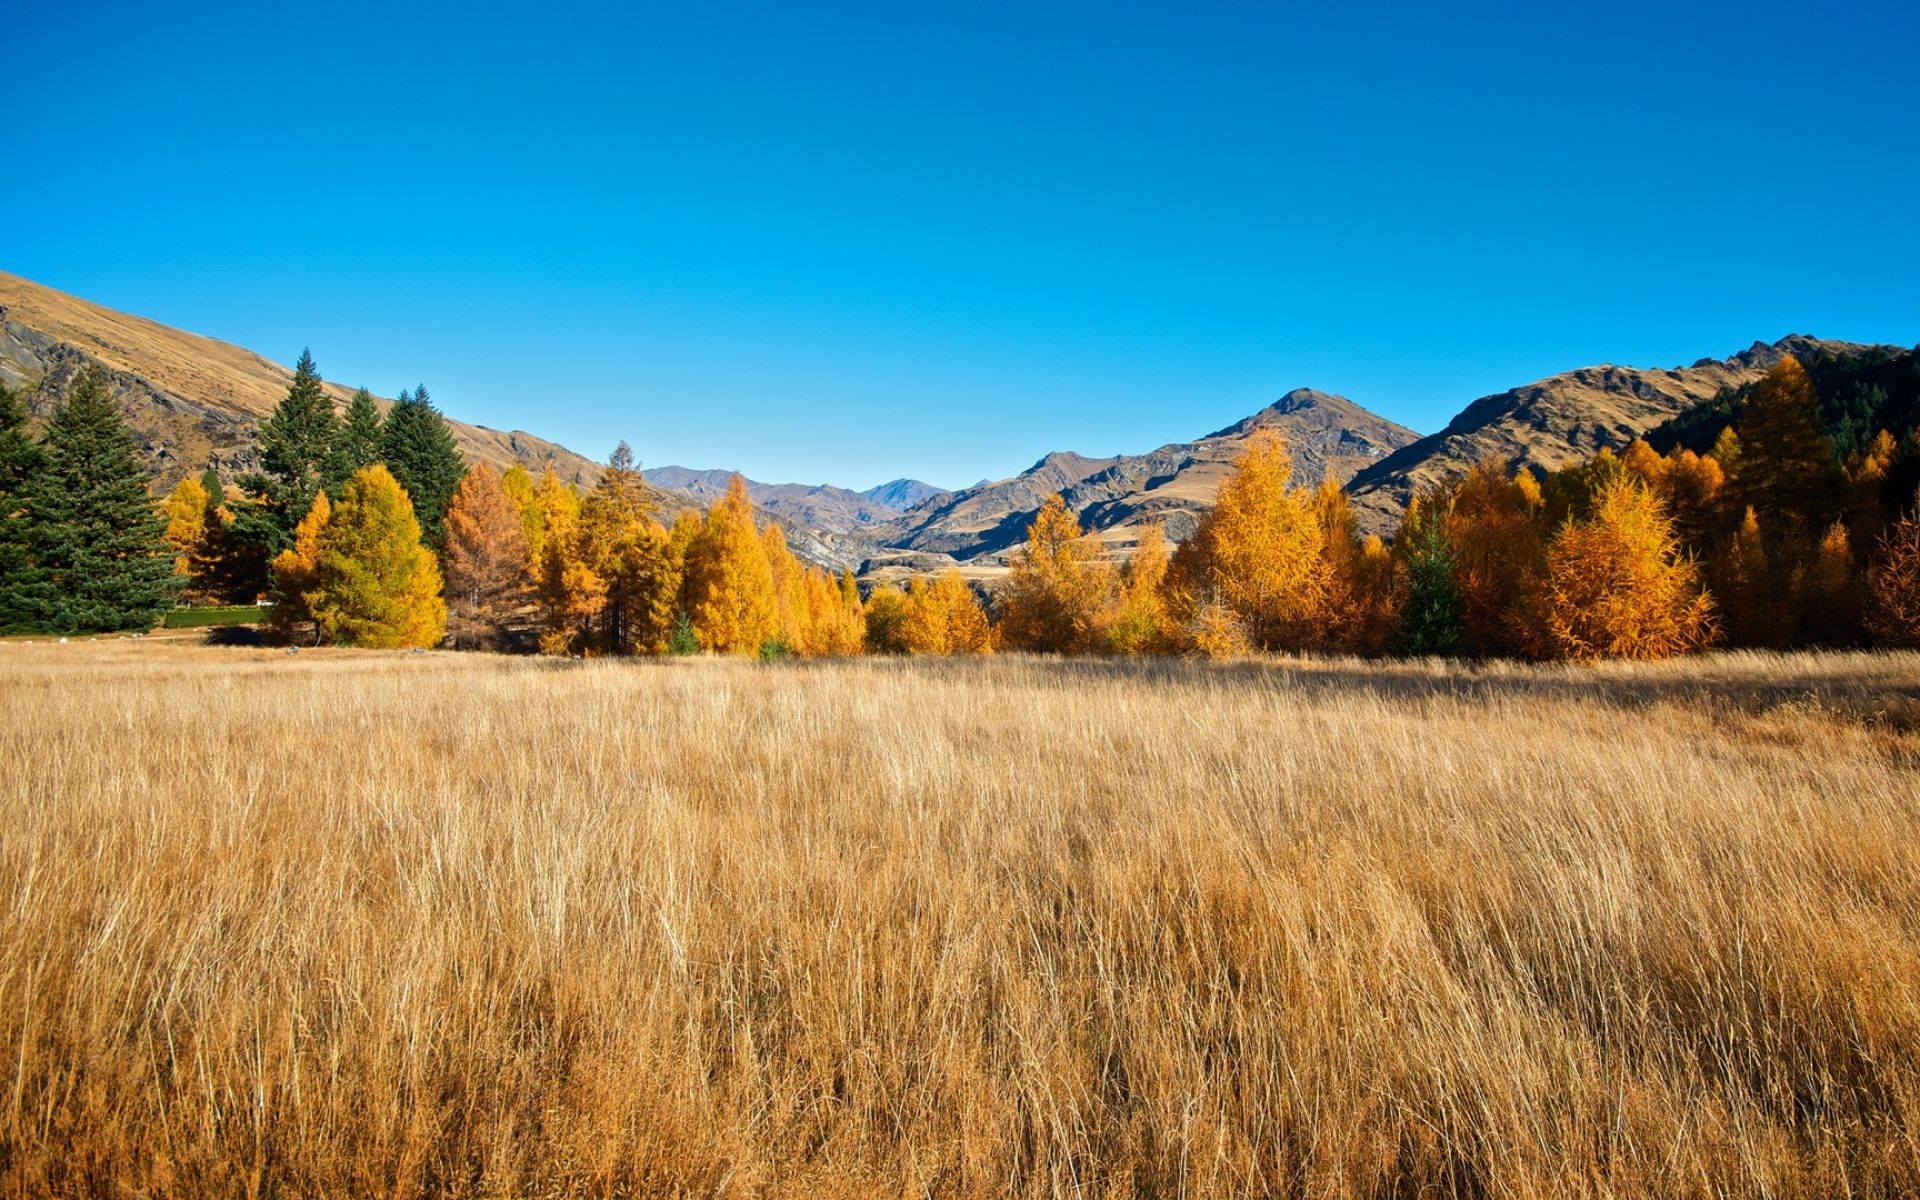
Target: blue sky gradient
x=838, y=242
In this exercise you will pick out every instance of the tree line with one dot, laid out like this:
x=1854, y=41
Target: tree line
x=370, y=531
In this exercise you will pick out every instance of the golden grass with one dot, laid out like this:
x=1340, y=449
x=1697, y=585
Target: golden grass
x=396, y=925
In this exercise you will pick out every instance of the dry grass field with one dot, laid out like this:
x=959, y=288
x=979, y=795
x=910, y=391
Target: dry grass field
x=351, y=924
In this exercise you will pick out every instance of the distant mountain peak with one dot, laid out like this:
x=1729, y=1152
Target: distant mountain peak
x=904, y=494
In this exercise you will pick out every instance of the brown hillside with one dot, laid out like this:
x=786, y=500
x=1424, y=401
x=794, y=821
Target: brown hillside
x=191, y=400
x=1559, y=421
x=1328, y=435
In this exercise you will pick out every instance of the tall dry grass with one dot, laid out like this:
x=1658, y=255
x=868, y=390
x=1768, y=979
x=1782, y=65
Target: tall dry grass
x=352, y=924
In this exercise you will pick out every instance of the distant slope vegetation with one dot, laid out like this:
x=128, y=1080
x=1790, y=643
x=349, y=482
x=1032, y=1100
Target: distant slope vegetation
x=191, y=400
x=1562, y=420
x=1863, y=390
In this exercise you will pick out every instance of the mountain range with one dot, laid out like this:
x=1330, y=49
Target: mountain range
x=193, y=401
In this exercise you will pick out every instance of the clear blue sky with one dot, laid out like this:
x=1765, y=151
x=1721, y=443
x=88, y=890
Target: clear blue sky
x=826, y=242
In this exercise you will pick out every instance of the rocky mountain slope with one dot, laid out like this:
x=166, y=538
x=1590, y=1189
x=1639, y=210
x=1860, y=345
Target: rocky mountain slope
x=1559, y=421
x=191, y=400
x=1328, y=435
x=822, y=506
x=903, y=494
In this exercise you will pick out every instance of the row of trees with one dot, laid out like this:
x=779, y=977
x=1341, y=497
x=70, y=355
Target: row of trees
x=372, y=532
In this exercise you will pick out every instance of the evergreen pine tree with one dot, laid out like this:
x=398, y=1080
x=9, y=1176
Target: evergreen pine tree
x=296, y=458
x=19, y=460
x=418, y=449
x=357, y=446
x=94, y=535
x=1432, y=612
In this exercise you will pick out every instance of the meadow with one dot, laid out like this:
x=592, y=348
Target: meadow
x=356, y=923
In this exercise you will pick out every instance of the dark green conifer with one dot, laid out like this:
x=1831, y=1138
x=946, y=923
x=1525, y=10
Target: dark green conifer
x=19, y=460
x=358, y=444
x=297, y=446
x=1430, y=619
x=418, y=448
x=98, y=561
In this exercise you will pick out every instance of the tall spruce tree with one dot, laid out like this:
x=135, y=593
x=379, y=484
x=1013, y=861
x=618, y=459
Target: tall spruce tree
x=358, y=444
x=418, y=449
x=94, y=534
x=297, y=446
x=19, y=460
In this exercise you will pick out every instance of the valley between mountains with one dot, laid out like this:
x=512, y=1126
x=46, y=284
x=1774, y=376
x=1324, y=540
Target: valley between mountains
x=194, y=401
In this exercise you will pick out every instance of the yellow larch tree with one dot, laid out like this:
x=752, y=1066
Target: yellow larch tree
x=488, y=575
x=1057, y=591
x=292, y=571
x=185, y=509
x=1256, y=560
x=945, y=617
x=524, y=494
x=793, y=617
x=887, y=612
x=730, y=596
x=1140, y=625
x=1833, y=609
x=1753, y=603
x=1492, y=521
x=374, y=584
x=834, y=627
x=1618, y=584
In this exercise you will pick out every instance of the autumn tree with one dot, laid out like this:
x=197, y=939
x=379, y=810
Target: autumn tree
x=1786, y=461
x=1056, y=590
x=1618, y=584
x=197, y=532
x=888, y=611
x=524, y=495
x=1741, y=574
x=559, y=579
x=96, y=555
x=418, y=449
x=729, y=582
x=1256, y=559
x=945, y=617
x=1893, y=584
x=1141, y=624
x=374, y=583
x=1491, y=522
x=1833, y=609
x=485, y=560
x=835, y=624
x=294, y=570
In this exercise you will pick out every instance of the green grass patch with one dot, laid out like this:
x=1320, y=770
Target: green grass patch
x=236, y=614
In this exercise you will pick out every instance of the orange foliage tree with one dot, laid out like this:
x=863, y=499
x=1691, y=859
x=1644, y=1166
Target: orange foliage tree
x=729, y=583
x=1491, y=520
x=1056, y=592
x=1256, y=561
x=1140, y=624
x=1893, y=584
x=945, y=617
x=292, y=571
x=485, y=559
x=1618, y=585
